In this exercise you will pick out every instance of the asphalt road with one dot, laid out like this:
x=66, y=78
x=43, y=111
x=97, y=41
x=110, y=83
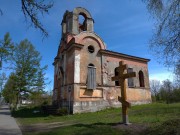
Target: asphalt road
x=8, y=125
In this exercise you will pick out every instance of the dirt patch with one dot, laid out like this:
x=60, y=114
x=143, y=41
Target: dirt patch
x=43, y=127
x=132, y=129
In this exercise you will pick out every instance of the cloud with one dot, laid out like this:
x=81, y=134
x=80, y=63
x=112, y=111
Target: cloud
x=161, y=76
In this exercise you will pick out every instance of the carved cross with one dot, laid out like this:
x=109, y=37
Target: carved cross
x=123, y=99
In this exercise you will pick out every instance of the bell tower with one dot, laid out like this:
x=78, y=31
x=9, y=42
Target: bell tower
x=76, y=61
x=71, y=22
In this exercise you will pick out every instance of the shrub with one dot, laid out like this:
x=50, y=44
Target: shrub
x=62, y=111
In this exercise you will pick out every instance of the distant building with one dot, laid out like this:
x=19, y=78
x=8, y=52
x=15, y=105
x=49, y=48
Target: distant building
x=83, y=69
x=25, y=101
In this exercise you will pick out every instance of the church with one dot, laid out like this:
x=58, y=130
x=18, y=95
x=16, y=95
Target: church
x=83, y=69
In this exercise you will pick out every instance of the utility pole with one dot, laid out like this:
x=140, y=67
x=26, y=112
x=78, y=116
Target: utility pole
x=69, y=91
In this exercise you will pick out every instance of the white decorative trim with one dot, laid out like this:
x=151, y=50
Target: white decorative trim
x=77, y=69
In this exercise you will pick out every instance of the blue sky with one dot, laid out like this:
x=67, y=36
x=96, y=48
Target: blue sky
x=125, y=27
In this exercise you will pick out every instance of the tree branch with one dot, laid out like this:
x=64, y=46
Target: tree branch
x=31, y=9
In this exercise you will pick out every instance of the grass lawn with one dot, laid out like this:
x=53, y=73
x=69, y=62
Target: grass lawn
x=160, y=119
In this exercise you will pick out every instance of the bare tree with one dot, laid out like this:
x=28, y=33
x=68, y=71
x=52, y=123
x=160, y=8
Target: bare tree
x=165, y=43
x=167, y=87
x=177, y=75
x=155, y=87
x=32, y=9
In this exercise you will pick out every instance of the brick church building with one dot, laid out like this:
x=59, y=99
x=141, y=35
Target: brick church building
x=83, y=69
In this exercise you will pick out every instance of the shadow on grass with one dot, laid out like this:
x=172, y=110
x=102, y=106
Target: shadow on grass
x=97, y=124
x=96, y=128
x=115, y=128
x=88, y=129
x=31, y=112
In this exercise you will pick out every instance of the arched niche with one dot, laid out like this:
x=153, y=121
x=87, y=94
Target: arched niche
x=141, y=79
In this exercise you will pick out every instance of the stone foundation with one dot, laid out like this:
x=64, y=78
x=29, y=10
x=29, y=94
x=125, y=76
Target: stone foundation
x=94, y=106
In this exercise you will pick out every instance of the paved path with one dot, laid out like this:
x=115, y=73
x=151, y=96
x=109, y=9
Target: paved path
x=8, y=125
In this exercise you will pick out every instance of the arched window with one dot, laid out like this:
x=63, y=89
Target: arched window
x=91, y=65
x=116, y=74
x=141, y=79
x=91, y=77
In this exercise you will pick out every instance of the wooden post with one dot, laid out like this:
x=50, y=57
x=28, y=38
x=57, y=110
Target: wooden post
x=123, y=99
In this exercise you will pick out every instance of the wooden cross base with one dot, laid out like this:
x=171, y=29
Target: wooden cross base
x=125, y=105
x=123, y=99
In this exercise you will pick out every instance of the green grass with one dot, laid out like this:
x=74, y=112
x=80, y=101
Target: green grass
x=170, y=127
x=153, y=115
x=154, y=112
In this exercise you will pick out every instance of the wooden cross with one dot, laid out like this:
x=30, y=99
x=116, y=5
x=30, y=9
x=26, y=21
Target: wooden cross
x=123, y=99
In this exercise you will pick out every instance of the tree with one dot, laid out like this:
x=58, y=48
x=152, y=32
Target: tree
x=155, y=87
x=9, y=91
x=166, y=91
x=6, y=49
x=28, y=71
x=165, y=43
x=176, y=94
x=177, y=75
x=32, y=9
x=38, y=92
x=2, y=81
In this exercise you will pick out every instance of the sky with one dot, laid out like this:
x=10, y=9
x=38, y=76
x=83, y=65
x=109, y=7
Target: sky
x=124, y=25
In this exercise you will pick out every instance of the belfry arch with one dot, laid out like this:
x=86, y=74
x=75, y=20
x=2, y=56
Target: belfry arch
x=82, y=11
x=87, y=24
x=71, y=23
